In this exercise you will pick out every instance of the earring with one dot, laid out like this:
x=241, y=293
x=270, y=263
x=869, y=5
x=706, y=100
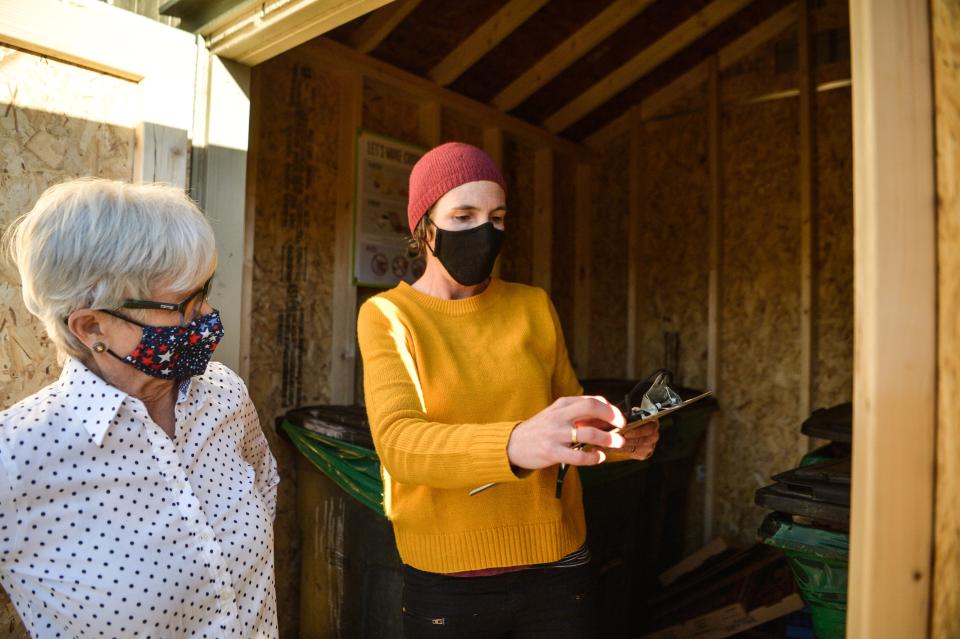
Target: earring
x=99, y=347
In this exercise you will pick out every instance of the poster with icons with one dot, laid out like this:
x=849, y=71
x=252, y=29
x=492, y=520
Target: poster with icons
x=381, y=254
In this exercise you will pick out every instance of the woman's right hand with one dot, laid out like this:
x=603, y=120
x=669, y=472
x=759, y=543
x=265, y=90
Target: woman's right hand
x=547, y=438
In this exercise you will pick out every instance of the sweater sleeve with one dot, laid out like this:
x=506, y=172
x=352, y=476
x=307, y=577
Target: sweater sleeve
x=412, y=448
x=565, y=382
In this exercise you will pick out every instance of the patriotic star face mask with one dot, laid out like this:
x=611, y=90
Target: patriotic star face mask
x=175, y=352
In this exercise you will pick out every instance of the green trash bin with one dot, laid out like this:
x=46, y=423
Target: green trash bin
x=818, y=558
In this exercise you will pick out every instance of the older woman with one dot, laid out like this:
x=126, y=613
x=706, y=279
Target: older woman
x=137, y=493
x=468, y=382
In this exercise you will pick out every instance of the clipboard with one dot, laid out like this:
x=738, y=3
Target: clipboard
x=646, y=419
x=661, y=413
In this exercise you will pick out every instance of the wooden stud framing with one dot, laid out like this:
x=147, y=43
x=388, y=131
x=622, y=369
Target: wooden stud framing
x=582, y=259
x=380, y=24
x=430, y=122
x=569, y=51
x=339, y=57
x=343, y=353
x=493, y=145
x=714, y=257
x=483, y=39
x=945, y=622
x=263, y=30
x=894, y=321
x=639, y=65
x=808, y=218
x=634, y=212
x=700, y=74
x=543, y=218
x=250, y=218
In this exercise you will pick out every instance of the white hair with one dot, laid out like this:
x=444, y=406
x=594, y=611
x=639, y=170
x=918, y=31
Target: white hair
x=94, y=243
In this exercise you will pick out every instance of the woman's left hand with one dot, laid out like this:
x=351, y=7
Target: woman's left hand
x=641, y=441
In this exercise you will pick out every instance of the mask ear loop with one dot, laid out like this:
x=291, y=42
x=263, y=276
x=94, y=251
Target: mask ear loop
x=436, y=235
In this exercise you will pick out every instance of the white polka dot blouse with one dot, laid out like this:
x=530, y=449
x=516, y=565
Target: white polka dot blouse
x=110, y=528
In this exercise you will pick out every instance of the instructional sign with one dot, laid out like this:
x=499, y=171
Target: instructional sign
x=381, y=255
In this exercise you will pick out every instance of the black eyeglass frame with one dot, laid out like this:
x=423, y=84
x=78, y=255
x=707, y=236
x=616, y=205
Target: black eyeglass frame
x=203, y=292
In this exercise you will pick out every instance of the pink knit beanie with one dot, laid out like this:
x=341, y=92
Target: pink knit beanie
x=445, y=168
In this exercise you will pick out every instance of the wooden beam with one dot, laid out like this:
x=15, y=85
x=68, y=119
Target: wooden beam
x=250, y=219
x=715, y=264
x=639, y=65
x=542, y=218
x=602, y=26
x=808, y=219
x=337, y=56
x=582, y=259
x=430, y=114
x=267, y=29
x=493, y=145
x=483, y=39
x=343, y=351
x=894, y=320
x=700, y=73
x=945, y=623
x=90, y=34
x=380, y=24
x=634, y=213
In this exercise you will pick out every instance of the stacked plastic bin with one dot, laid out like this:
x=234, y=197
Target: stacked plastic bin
x=811, y=519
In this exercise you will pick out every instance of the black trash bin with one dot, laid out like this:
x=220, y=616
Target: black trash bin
x=636, y=511
x=350, y=580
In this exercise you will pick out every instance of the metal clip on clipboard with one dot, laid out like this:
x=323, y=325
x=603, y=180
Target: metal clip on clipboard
x=659, y=400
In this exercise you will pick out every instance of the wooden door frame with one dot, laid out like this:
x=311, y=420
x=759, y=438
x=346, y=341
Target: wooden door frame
x=894, y=430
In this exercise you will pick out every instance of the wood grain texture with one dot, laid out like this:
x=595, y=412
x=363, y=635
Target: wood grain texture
x=608, y=261
x=833, y=322
x=563, y=264
x=296, y=205
x=516, y=257
x=759, y=341
x=946, y=68
x=455, y=128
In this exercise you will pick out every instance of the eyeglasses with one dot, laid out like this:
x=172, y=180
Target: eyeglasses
x=188, y=309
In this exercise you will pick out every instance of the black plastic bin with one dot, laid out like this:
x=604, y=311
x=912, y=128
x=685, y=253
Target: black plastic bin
x=350, y=580
x=637, y=511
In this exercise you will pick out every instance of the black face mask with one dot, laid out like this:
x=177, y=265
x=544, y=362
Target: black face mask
x=468, y=255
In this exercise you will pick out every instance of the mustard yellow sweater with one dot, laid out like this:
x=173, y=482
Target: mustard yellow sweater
x=446, y=381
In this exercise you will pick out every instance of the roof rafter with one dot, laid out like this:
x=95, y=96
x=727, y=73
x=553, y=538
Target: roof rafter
x=639, y=65
x=569, y=51
x=380, y=24
x=483, y=39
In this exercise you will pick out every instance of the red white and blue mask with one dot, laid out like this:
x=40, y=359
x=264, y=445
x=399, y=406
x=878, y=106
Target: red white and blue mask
x=175, y=352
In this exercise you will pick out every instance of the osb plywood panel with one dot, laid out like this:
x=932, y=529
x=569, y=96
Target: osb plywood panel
x=608, y=258
x=292, y=280
x=563, y=254
x=945, y=16
x=57, y=122
x=833, y=372
x=672, y=260
x=759, y=352
x=516, y=258
x=387, y=112
x=757, y=73
x=454, y=128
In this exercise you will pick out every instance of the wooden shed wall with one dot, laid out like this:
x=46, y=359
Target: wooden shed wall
x=57, y=121
x=760, y=343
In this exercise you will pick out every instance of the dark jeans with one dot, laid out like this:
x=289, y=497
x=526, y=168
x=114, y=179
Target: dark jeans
x=554, y=603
